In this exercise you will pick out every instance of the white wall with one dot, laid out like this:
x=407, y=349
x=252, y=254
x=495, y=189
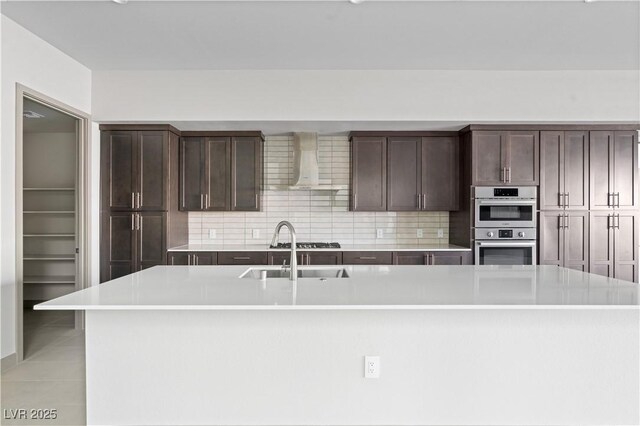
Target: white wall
x=467, y=96
x=28, y=60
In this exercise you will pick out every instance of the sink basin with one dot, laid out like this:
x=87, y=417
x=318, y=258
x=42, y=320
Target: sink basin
x=254, y=273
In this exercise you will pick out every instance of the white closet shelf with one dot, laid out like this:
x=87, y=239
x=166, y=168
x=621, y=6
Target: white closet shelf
x=48, y=212
x=57, y=257
x=49, y=279
x=49, y=189
x=49, y=235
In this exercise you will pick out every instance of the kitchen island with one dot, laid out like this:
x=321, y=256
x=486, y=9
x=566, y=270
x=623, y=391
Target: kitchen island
x=459, y=345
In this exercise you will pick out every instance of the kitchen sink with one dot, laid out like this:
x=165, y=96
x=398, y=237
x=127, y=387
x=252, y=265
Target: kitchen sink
x=255, y=273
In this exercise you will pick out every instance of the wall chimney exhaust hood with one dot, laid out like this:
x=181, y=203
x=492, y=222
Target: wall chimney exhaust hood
x=306, y=174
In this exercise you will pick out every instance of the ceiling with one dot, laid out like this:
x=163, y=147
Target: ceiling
x=461, y=35
x=52, y=120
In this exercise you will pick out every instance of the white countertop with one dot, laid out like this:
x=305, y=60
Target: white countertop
x=343, y=247
x=368, y=287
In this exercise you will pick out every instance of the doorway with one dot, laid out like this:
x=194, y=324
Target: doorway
x=51, y=217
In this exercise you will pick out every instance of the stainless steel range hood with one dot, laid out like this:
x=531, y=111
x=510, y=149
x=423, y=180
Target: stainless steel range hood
x=306, y=174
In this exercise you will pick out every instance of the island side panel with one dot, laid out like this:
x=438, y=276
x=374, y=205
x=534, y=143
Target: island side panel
x=306, y=367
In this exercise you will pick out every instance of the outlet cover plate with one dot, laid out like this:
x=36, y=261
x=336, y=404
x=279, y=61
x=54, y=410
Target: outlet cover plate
x=372, y=367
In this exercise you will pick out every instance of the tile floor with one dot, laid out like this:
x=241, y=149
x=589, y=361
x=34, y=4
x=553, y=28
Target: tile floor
x=52, y=376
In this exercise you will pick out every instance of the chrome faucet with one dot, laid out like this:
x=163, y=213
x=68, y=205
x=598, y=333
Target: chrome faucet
x=293, y=272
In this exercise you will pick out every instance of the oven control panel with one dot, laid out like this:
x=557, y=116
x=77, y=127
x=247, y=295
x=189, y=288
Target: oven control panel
x=505, y=233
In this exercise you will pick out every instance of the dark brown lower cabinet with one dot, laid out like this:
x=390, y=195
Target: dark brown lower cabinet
x=564, y=239
x=613, y=244
x=432, y=258
x=132, y=241
x=192, y=258
x=242, y=258
x=367, y=258
x=307, y=258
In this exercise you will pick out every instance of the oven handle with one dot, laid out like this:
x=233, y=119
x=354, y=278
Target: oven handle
x=511, y=243
x=516, y=202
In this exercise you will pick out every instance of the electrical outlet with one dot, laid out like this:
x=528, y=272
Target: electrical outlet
x=379, y=233
x=212, y=234
x=372, y=367
x=255, y=233
x=440, y=233
x=419, y=233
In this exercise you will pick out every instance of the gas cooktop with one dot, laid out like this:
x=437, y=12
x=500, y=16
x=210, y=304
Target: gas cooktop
x=307, y=245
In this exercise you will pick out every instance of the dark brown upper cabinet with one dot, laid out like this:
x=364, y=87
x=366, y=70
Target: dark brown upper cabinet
x=135, y=170
x=614, y=171
x=368, y=173
x=504, y=157
x=564, y=170
x=404, y=172
x=246, y=173
x=221, y=172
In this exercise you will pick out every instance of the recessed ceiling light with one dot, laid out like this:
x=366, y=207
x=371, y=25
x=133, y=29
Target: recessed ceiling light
x=121, y=1
x=356, y=1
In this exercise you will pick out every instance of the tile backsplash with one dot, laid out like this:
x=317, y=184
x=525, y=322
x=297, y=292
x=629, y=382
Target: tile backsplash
x=316, y=215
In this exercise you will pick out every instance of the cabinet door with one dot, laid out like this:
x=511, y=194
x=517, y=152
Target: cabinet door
x=601, y=248
x=246, y=173
x=192, y=163
x=118, y=248
x=625, y=169
x=600, y=171
x=218, y=174
x=367, y=257
x=450, y=258
x=489, y=157
x=151, y=243
x=119, y=174
x=403, y=174
x=178, y=258
x=322, y=258
x=626, y=246
x=551, y=171
x=242, y=258
x=283, y=258
x=440, y=176
x=576, y=170
x=523, y=158
x=368, y=174
x=153, y=170
x=205, y=258
x=410, y=258
x=551, y=238
x=576, y=241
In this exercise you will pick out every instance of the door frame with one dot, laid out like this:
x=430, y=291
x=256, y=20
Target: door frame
x=83, y=202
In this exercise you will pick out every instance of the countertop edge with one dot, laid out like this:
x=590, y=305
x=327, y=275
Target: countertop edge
x=42, y=307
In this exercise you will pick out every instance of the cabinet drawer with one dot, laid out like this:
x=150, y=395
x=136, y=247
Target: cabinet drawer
x=367, y=258
x=242, y=258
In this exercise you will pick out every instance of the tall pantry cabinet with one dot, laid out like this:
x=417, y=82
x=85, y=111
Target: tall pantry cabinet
x=139, y=198
x=589, y=201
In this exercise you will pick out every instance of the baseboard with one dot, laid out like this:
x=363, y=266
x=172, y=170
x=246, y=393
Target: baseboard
x=8, y=361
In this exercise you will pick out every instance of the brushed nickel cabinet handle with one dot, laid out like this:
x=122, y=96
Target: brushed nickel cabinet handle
x=566, y=199
x=560, y=224
x=367, y=258
x=419, y=200
x=241, y=257
x=133, y=200
x=195, y=259
x=509, y=174
x=617, y=198
x=608, y=221
x=133, y=221
x=201, y=202
x=139, y=221
x=207, y=202
x=560, y=199
x=502, y=174
x=617, y=225
x=355, y=201
x=139, y=199
x=566, y=221
x=424, y=201
x=609, y=199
